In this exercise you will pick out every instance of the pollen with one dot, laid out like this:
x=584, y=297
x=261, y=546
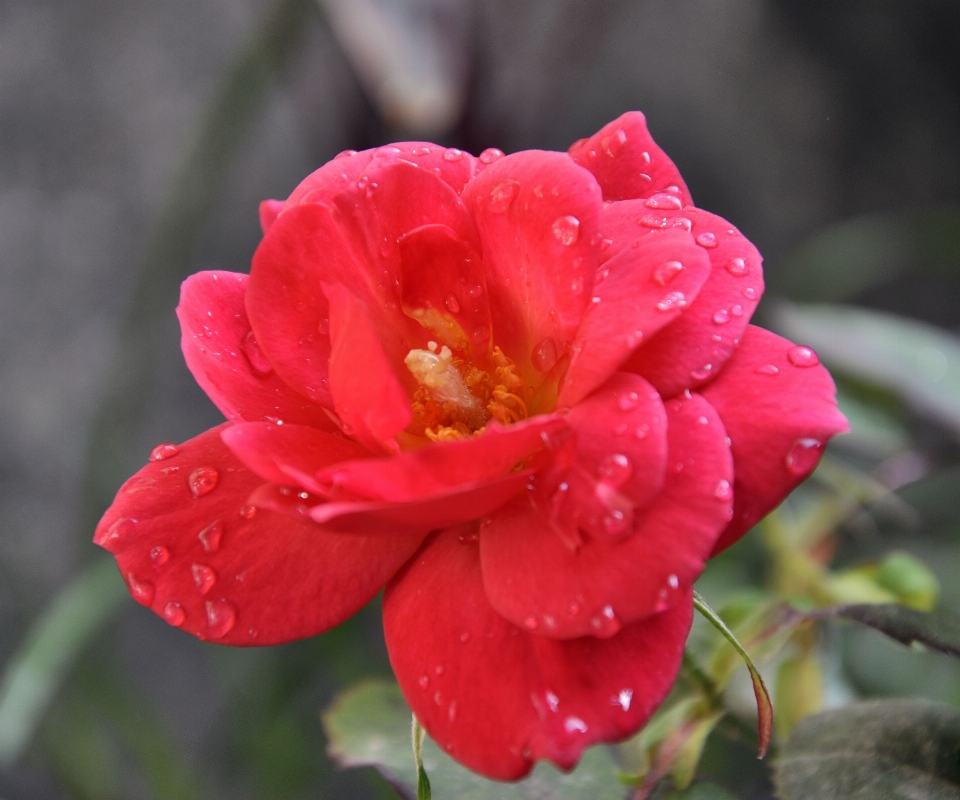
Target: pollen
x=456, y=399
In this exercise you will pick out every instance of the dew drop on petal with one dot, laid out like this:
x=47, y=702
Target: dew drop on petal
x=490, y=155
x=574, y=725
x=724, y=490
x=424, y=681
x=803, y=456
x=162, y=451
x=722, y=317
x=738, y=267
x=544, y=355
x=652, y=221
x=566, y=230
x=801, y=356
x=159, y=555
x=221, y=617
x=452, y=304
x=530, y=623
x=706, y=239
x=702, y=374
x=628, y=401
x=203, y=480
x=750, y=293
x=615, y=522
x=615, y=470
x=211, y=536
x=452, y=711
x=420, y=151
x=767, y=369
x=174, y=614
x=502, y=196
x=736, y=310
x=683, y=222
x=345, y=154
x=664, y=202
x=259, y=363
x=464, y=637
x=671, y=301
x=141, y=590
x=203, y=577
x=453, y=154
x=613, y=144
x=624, y=698
x=634, y=339
x=666, y=272
x=248, y=512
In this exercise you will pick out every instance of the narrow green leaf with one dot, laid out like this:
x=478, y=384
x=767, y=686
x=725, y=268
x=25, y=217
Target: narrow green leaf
x=369, y=725
x=916, y=360
x=423, y=782
x=764, y=706
x=38, y=668
x=872, y=751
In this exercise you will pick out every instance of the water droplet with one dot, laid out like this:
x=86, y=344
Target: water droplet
x=645, y=156
x=453, y=154
x=221, y=617
x=452, y=304
x=750, y=293
x=634, y=339
x=574, y=725
x=722, y=317
x=628, y=401
x=615, y=522
x=490, y=155
x=203, y=480
x=664, y=202
x=613, y=144
x=573, y=608
x=464, y=637
x=259, y=363
x=545, y=355
x=174, y=614
x=683, y=222
x=615, y=470
x=736, y=310
x=159, y=555
x=420, y=151
x=703, y=373
x=203, y=577
x=141, y=590
x=553, y=702
x=738, y=267
x=804, y=455
x=642, y=431
x=211, y=535
x=724, y=490
x=452, y=711
x=162, y=451
x=566, y=230
x=120, y=528
x=667, y=271
x=530, y=623
x=502, y=196
x=706, y=239
x=438, y=670
x=672, y=300
x=652, y=221
x=345, y=154
x=801, y=356
x=624, y=698
x=767, y=369
x=424, y=681
x=248, y=512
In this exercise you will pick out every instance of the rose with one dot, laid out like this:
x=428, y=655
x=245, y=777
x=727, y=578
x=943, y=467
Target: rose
x=518, y=391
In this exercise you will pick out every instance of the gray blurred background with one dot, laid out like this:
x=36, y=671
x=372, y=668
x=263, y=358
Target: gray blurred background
x=136, y=140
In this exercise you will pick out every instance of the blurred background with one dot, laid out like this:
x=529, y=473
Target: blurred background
x=136, y=140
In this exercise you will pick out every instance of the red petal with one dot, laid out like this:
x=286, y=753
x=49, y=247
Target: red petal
x=192, y=550
x=225, y=359
x=367, y=395
x=534, y=579
x=321, y=185
x=778, y=415
x=627, y=163
x=289, y=455
x=444, y=288
x=538, y=215
x=646, y=286
x=269, y=211
x=694, y=348
x=498, y=698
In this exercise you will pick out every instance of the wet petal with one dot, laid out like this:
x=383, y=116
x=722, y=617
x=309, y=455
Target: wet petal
x=779, y=417
x=193, y=550
x=498, y=698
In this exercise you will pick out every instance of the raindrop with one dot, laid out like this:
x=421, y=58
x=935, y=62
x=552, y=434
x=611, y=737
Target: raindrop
x=452, y=304
x=345, y=154
x=141, y=590
x=642, y=432
x=438, y=698
x=664, y=202
x=703, y=373
x=613, y=144
x=221, y=617
x=452, y=711
x=683, y=222
x=464, y=637
x=174, y=614
x=634, y=339
x=576, y=286
x=159, y=555
x=203, y=480
x=502, y=196
x=203, y=577
x=652, y=221
x=248, y=512
x=673, y=582
x=671, y=301
x=574, y=725
x=723, y=491
x=530, y=623
x=738, y=267
x=490, y=155
x=615, y=470
x=388, y=151
x=750, y=293
x=162, y=451
x=566, y=230
x=628, y=401
x=767, y=369
x=573, y=608
x=667, y=271
x=420, y=151
x=624, y=698
x=424, y=681
x=801, y=356
x=545, y=355
x=615, y=522
x=706, y=239
x=211, y=535
x=621, y=429
x=645, y=156
x=722, y=317
x=736, y=310
x=453, y=154
x=803, y=456
x=553, y=702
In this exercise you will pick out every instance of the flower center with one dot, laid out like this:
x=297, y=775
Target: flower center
x=456, y=399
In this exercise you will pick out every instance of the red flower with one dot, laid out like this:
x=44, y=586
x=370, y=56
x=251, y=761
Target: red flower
x=518, y=391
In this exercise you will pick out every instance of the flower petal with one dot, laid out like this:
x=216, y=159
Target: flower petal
x=367, y=394
x=626, y=161
x=193, y=550
x=779, y=408
x=691, y=350
x=498, y=698
x=269, y=211
x=225, y=359
x=646, y=287
x=538, y=215
x=537, y=581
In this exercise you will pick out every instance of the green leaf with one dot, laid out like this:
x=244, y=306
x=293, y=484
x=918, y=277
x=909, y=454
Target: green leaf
x=939, y=630
x=764, y=706
x=369, y=725
x=701, y=791
x=423, y=782
x=916, y=360
x=872, y=751
x=38, y=668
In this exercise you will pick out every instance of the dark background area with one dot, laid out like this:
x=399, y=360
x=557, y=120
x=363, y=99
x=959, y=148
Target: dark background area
x=134, y=149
